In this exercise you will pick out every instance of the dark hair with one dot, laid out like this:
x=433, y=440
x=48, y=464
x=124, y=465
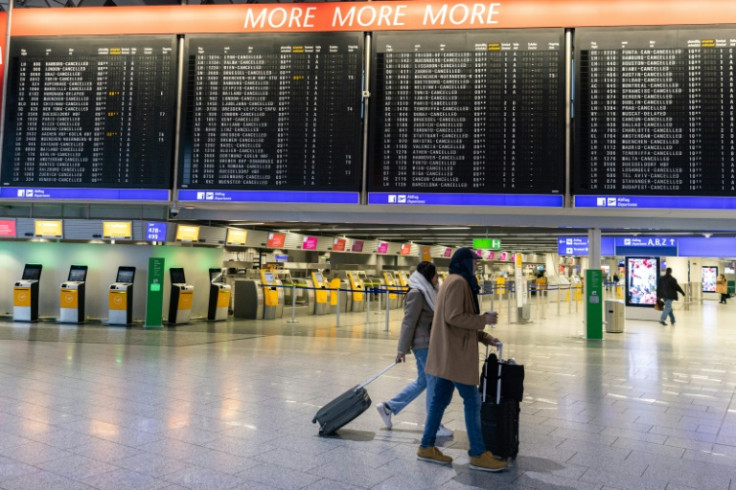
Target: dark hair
x=668, y=271
x=427, y=269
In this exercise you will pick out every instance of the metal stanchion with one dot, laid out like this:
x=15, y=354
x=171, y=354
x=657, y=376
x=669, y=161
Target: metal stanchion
x=558, y=300
x=576, y=299
x=293, y=304
x=491, y=295
x=388, y=304
x=338, y=307
x=569, y=298
x=367, y=307
x=508, y=302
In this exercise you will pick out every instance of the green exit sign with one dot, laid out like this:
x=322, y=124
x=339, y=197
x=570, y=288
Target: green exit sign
x=487, y=243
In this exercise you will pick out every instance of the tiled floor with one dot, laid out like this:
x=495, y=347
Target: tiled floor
x=230, y=406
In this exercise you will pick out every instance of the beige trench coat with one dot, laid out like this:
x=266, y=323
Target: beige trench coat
x=456, y=331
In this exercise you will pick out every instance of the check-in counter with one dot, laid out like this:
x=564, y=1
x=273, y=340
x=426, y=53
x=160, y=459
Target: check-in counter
x=357, y=294
x=181, y=297
x=120, y=297
x=219, y=299
x=391, y=284
x=273, y=296
x=321, y=294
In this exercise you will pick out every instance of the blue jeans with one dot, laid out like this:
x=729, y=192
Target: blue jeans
x=413, y=390
x=667, y=310
x=443, y=389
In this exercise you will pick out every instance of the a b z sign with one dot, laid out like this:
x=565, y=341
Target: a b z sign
x=376, y=16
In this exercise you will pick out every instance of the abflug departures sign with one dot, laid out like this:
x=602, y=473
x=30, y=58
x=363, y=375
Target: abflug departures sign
x=90, y=118
x=655, y=117
x=266, y=112
x=460, y=114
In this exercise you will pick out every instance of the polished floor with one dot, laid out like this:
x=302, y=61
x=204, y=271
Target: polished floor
x=229, y=405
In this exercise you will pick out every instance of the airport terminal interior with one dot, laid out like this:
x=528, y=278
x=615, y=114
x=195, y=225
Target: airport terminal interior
x=210, y=211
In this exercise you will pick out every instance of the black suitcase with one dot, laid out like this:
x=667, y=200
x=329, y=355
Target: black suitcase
x=345, y=407
x=499, y=414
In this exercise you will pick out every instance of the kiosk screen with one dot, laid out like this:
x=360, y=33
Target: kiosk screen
x=126, y=275
x=177, y=275
x=318, y=278
x=268, y=276
x=215, y=274
x=78, y=273
x=32, y=272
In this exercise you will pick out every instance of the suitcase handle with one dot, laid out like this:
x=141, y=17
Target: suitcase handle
x=371, y=380
x=485, y=378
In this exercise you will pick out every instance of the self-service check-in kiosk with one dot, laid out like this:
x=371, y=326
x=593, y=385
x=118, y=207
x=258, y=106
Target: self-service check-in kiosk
x=219, y=302
x=321, y=304
x=273, y=296
x=25, y=294
x=392, y=285
x=181, y=298
x=120, y=297
x=403, y=280
x=71, y=295
x=356, y=284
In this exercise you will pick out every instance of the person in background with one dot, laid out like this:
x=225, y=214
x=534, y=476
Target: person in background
x=722, y=288
x=667, y=290
x=418, y=312
x=452, y=362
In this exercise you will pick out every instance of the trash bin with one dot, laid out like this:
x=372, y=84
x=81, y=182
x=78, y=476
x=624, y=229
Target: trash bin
x=614, y=316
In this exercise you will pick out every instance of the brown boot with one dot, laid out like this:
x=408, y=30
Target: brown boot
x=432, y=455
x=486, y=462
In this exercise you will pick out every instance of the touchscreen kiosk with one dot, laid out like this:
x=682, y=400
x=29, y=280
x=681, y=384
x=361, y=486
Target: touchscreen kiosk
x=180, y=298
x=220, y=293
x=321, y=294
x=273, y=296
x=391, y=284
x=25, y=294
x=120, y=297
x=357, y=287
x=71, y=295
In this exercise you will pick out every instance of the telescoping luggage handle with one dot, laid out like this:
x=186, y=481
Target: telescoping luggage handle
x=485, y=379
x=371, y=380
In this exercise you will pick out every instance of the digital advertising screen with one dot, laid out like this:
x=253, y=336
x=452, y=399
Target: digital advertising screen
x=708, y=276
x=276, y=240
x=236, y=236
x=382, y=248
x=310, y=243
x=187, y=233
x=357, y=246
x=338, y=245
x=90, y=117
x=642, y=277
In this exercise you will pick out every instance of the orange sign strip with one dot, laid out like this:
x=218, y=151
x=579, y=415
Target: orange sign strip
x=367, y=16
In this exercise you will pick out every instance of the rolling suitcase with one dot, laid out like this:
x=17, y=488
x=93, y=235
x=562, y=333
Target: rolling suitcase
x=345, y=407
x=499, y=412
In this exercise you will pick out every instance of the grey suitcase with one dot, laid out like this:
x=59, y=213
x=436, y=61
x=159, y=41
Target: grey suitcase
x=345, y=407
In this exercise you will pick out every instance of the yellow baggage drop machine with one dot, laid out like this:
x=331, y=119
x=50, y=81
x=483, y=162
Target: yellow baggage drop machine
x=120, y=297
x=273, y=296
x=392, y=285
x=71, y=295
x=321, y=304
x=219, y=302
x=357, y=295
x=25, y=294
x=181, y=297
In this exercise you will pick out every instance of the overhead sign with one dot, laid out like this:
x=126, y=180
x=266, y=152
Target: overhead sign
x=276, y=240
x=338, y=245
x=572, y=245
x=426, y=253
x=663, y=246
x=357, y=246
x=405, y=249
x=186, y=233
x=46, y=228
x=117, y=229
x=382, y=247
x=236, y=237
x=487, y=243
x=156, y=231
x=7, y=228
x=310, y=243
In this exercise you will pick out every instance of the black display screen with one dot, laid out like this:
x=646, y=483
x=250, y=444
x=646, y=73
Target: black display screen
x=32, y=272
x=90, y=112
x=78, y=273
x=475, y=112
x=654, y=111
x=126, y=275
x=272, y=112
x=177, y=275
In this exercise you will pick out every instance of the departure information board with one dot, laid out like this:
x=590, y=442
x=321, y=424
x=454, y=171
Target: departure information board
x=654, y=115
x=94, y=113
x=272, y=113
x=467, y=113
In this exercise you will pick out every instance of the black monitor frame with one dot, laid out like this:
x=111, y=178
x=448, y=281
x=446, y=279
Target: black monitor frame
x=215, y=273
x=124, y=272
x=177, y=275
x=74, y=272
x=32, y=272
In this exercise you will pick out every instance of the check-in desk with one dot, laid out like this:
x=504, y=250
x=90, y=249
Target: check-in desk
x=219, y=300
x=321, y=296
x=180, y=298
x=25, y=294
x=345, y=299
x=273, y=296
x=120, y=297
x=248, y=299
x=72, y=295
x=357, y=294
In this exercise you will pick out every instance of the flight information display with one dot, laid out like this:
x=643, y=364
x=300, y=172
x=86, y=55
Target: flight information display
x=654, y=116
x=272, y=113
x=468, y=112
x=90, y=112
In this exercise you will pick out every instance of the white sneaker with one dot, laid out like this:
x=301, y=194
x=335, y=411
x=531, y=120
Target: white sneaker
x=444, y=431
x=385, y=414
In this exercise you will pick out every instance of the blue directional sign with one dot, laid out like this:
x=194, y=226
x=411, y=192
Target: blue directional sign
x=156, y=231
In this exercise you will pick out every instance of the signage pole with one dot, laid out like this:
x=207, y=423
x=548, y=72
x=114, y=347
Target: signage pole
x=594, y=288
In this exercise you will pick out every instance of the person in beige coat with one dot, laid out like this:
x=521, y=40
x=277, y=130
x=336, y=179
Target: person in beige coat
x=452, y=363
x=722, y=288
